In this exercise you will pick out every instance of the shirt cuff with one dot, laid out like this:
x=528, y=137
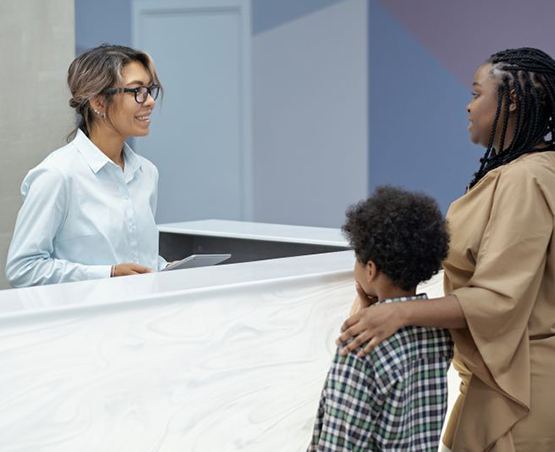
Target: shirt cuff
x=98, y=271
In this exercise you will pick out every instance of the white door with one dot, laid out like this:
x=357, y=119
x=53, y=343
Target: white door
x=200, y=137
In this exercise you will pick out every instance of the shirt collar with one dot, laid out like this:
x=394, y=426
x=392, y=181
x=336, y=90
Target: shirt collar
x=420, y=296
x=96, y=159
x=132, y=162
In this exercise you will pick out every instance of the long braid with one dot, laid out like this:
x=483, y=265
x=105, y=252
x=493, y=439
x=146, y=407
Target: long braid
x=506, y=91
x=520, y=103
x=528, y=81
x=529, y=101
x=550, y=90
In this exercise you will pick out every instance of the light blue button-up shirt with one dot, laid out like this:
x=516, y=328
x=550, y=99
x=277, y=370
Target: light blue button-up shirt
x=82, y=214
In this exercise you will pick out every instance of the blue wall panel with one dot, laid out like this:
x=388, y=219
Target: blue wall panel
x=417, y=115
x=102, y=21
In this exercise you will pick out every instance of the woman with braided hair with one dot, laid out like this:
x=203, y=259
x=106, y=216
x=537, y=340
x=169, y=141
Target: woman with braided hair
x=500, y=271
x=88, y=209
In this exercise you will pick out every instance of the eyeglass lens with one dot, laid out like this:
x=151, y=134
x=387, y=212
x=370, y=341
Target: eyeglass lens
x=142, y=93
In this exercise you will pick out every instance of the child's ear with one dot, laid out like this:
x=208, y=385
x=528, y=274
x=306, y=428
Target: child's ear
x=371, y=271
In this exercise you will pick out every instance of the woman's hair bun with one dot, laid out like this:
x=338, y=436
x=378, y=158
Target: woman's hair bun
x=73, y=103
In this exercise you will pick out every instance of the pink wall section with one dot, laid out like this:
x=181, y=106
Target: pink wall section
x=461, y=34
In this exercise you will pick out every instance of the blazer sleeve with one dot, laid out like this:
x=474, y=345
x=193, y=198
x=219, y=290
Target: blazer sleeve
x=510, y=265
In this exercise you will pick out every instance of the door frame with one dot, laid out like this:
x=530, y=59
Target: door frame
x=143, y=8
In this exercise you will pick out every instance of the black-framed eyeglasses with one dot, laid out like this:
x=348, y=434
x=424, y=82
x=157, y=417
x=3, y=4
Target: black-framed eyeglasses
x=141, y=92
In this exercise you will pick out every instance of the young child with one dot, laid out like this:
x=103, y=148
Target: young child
x=394, y=398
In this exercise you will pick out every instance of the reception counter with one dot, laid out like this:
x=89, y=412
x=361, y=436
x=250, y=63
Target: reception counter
x=226, y=358
x=246, y=241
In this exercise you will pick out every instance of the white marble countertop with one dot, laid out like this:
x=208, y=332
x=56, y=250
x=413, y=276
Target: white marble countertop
x=228, y=358
x=16, y=302
x=258, y=231
x=215, y=359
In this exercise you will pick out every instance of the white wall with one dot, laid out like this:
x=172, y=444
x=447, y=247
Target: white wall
x=37, y=45
x=310, y=109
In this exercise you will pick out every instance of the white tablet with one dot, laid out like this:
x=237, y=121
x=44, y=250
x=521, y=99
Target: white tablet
x=197, y=260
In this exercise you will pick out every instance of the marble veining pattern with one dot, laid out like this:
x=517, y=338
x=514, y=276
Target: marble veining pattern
x=221, y=370
x=231, y=358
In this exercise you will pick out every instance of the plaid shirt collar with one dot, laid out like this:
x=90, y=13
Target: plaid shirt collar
x=420, y=296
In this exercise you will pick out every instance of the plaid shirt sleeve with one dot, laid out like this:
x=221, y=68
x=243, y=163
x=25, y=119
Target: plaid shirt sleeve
x=414, y=401
x=348, y=407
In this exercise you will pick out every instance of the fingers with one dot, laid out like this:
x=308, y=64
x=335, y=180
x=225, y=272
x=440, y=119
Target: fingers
x=130, y=268
x=364, y=342
x=350, y=328
x=371, y=345
x=369, y=327
x=356, y=332
x=358, y=341
x=353, y=320
x=348, y=334
x=138, y=269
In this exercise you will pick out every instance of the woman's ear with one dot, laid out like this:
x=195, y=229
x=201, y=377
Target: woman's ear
x=98, y=104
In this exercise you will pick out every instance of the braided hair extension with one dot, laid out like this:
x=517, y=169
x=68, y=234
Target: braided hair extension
x=528, y=81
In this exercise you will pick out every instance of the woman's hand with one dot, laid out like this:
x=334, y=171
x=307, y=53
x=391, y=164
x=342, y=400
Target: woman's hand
x=370, y=326
x=129, y=268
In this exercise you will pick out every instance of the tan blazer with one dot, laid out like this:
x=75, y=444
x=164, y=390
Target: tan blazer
x=501, y=267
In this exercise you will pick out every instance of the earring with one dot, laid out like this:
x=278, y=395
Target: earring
x=99, y=113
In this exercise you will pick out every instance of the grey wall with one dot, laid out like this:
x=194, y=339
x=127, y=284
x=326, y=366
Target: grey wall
x=310, y=101
x=37, y=45
x=310, y=108
x=100, y=21
x=268, y=14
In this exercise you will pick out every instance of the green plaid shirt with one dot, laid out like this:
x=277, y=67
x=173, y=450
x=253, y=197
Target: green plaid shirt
x=393, y=399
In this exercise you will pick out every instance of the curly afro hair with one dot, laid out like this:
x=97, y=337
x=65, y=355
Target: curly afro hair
x=403, y=233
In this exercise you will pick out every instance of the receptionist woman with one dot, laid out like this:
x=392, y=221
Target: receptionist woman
x=88, y=209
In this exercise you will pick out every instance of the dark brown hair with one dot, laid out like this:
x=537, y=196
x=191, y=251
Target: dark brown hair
x=96, y=70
